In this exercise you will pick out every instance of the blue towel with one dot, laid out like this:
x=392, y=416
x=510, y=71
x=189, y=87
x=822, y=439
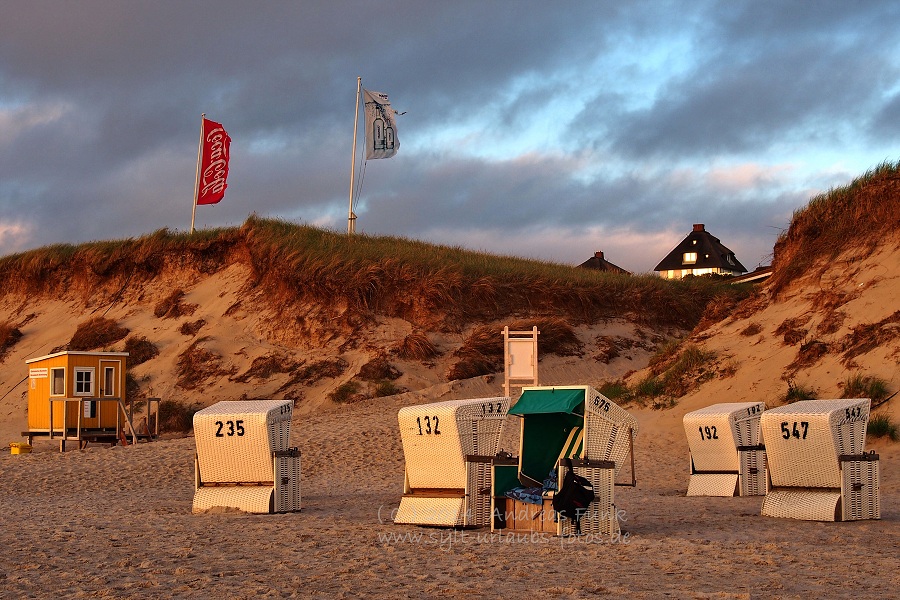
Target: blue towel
x=535, y=495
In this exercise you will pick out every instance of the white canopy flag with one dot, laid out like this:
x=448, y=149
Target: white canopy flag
x=381, y=130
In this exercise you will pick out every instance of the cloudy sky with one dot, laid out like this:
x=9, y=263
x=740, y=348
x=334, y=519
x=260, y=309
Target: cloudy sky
x=538, y=129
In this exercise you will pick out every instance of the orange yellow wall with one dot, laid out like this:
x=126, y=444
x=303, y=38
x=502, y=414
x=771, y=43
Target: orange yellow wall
x=39, y=382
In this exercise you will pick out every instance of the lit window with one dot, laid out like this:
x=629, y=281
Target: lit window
x=689, y=258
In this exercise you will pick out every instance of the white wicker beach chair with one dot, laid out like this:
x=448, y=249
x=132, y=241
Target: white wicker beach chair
x=727, y=458
x=609, y=430
x=448, y=448
x=576, y=422
x=818, y=469
x=243, y=458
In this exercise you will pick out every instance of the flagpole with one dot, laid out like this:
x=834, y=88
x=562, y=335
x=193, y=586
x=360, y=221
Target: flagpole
x=197, y=175
x=351, y=218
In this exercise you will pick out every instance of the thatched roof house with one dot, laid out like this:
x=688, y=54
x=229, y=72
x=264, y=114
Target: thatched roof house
x=599, y=263
x=700, y=253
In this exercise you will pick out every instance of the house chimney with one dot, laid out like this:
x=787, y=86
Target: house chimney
x=598, y=254
x=699, y=227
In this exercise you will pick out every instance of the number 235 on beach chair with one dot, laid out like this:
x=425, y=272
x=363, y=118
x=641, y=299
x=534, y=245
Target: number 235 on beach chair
x=727, y=456
x=243, y=458
x=818, y=470
x=448, y=447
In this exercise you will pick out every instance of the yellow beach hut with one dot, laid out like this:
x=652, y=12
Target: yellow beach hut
x=78, y=396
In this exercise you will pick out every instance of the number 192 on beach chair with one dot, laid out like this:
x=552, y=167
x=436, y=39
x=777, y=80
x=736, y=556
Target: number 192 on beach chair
x=448, y=447
x=727, y=456
x=243, y=458
x=818, y=469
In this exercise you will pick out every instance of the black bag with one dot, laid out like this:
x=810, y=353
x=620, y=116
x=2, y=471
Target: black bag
x=573, y=497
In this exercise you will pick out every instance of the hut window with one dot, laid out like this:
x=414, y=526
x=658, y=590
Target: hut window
x=109, y=386
x=689, y=258
x=58, y=382
x=84, y=381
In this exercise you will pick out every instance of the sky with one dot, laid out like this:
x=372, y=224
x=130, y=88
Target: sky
x=546, y=130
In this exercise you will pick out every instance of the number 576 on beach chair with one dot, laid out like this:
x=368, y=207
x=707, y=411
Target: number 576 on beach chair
x=448, y=448
x=818, y=470
x=243, y=458
x=560, y=422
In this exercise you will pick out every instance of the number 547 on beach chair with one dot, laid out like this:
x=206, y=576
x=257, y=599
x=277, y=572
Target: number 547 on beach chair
x=818, y=470
x=448, y=448
x=243, y=458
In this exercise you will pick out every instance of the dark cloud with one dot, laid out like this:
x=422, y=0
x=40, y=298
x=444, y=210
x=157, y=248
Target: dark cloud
x=728, y=113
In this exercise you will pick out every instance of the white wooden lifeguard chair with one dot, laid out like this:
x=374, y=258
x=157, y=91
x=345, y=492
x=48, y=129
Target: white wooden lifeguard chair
x=244, y=459
x=448, y=447
x=575, y=422
x=520, y=358
x=727, y=457
x=818, y=470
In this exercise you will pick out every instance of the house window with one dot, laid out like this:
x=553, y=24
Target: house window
x=57, y=382
x=729, y=259
x=84, y=381
x=689, y=258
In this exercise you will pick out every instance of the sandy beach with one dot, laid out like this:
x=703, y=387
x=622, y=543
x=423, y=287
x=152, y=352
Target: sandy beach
x=117, y=523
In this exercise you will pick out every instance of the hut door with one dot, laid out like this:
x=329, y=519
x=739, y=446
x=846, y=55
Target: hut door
x=109, y=388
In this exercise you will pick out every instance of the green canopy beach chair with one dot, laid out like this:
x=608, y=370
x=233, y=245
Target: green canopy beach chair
x=560, y=422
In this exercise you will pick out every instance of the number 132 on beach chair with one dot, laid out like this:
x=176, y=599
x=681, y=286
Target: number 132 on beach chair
x=448, y=447
x=243, y=458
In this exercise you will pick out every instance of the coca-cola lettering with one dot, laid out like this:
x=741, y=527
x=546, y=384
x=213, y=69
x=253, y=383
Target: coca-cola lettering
x=214, y=165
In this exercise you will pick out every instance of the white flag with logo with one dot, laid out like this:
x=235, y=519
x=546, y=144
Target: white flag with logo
x=381, y=130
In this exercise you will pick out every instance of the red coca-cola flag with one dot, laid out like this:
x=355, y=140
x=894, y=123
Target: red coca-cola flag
x=213, y=163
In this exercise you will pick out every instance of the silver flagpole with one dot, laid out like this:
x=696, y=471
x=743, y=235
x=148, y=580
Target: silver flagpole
x=351, y=218
x=197, y=176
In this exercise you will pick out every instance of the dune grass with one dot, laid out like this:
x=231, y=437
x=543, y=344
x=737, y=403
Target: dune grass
x=864, y=386
x=856, y=215
x=882, y=425
x=358, y=275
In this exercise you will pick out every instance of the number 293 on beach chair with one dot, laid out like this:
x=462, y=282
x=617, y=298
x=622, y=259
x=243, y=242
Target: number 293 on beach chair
x=727, y=457
x=448, y=447
x=818, y=470
x=243, y=458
